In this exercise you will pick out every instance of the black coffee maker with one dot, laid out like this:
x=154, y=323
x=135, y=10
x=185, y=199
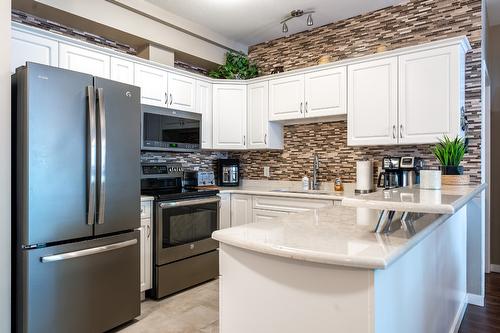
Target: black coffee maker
x=391, y=175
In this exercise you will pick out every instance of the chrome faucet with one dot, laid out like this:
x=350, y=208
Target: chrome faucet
x=315, y=182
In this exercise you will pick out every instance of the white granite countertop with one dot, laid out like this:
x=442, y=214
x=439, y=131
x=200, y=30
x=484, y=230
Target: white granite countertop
x=291, y=189
x=445, y=201
x=339, y=235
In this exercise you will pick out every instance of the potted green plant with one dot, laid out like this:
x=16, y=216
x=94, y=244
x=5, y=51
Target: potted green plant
x=237, y=66
x=450, y=153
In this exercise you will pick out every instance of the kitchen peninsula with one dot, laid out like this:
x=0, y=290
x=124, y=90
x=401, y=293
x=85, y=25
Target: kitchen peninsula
x=327, y=271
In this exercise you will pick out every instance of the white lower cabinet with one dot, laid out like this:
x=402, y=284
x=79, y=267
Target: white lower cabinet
x=29, y=47
x=224, y=210
x=146, y=246
x=260, y=215
x=288, y=204
x=241, y=209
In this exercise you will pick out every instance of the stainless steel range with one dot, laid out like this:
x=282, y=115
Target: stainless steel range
x=184, y=252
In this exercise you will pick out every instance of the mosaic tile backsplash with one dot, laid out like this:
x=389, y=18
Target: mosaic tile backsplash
x=412, y=23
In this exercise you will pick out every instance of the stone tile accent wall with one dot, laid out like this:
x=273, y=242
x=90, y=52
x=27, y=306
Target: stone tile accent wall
x=203, y=161
x=412, y=23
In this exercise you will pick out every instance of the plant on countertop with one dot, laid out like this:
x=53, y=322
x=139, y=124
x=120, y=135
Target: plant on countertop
x=450, y=152
x=237, y=66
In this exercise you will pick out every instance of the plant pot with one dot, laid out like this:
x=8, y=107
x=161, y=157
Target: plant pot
x=452, y=170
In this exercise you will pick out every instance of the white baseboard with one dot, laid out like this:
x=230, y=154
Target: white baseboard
x=475, y=299
x=495, y=268
x=459, y=316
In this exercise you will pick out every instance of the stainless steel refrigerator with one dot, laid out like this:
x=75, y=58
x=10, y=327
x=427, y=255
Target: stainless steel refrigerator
x=76, y=184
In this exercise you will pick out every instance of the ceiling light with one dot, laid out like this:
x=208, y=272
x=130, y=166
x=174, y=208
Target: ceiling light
x=309, y=20
x=297, y=13
x=284, y=28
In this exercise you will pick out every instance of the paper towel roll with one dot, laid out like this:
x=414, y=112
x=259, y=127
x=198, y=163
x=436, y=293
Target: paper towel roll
x=364, y=176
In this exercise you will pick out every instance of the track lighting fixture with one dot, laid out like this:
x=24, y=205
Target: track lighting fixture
x=297, y=13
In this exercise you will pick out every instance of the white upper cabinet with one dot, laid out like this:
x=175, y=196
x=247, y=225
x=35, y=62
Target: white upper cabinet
x=325, y=92
x=430, y=95
x=84, y=60
x=153, y=83
x=28, y=47
x=261, y=133
x=229, y=116
x=181, y=92
x=204, y=107
x=286, y=98
x=122, y=70
x=372, y=116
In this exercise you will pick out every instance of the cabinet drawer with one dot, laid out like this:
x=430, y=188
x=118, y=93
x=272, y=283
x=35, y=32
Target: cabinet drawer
x=261, y=215
x=145, y=209
x=289, y=204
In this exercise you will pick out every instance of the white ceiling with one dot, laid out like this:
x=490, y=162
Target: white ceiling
x=250, y=22
x=493, y=12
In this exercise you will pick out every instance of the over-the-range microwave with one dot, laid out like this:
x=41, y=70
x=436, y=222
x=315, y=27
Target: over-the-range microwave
x=170, y=130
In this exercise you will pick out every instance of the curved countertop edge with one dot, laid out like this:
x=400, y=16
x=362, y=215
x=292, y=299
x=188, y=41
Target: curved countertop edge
x=328, y=258
x=336, y=197
x=414, y=206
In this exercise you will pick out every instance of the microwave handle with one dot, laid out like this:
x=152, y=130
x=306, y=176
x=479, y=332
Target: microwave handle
x=181, y=203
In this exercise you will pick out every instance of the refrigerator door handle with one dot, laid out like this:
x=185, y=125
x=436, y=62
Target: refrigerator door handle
x=91, y=156
x=88, y=252
x=102, y=156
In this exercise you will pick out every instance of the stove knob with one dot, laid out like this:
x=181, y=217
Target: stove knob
x=170, y=169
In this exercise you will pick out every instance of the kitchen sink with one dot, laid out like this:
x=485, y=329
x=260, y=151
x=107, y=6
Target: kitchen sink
x=303, y=191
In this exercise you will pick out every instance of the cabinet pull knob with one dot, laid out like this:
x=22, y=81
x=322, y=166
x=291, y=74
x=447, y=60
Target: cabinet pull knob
x=171, y=99
x=166, y=99
x=300, y=107
x=393, y=131
x=265, y=139
x=401, y=131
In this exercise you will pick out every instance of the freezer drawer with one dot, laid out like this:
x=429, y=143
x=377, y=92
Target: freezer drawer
x=89, y=286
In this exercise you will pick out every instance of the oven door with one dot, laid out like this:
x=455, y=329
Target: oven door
x=170, y=130
x=184, y=228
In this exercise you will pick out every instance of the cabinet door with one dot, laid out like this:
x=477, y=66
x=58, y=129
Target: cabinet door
x=145, y=254
x=325, y=92
x=225, y=210
x=258, y=115
x=204, y=107
x=229, y=116
x=153, y=83
x=241, y=209
x=83, y=60
x=122, y=70
x=286, y=98
x=430, y=85
x=260, y=215
x=27, y=47
x=372, y=117
x=181, y=92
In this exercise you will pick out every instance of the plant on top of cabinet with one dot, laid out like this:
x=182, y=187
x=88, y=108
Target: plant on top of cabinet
x=237, y=66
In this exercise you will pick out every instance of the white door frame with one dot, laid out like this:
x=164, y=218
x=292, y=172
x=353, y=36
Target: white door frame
x=486, y=159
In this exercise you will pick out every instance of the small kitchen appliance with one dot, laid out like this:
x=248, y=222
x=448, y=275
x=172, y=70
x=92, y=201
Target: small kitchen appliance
x=228, y=172
x=410, y=170
x=184, y=253
x=199, y=178
x=391, y=175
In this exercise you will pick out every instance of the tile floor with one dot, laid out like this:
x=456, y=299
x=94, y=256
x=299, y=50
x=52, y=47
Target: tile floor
x=193, y=311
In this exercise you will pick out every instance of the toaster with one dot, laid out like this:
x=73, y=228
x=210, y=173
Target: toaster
x=199, y=178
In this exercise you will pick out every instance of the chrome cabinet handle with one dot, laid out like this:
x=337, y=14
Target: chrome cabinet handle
x=88, y=252
x=149, y=231
x=244, y=140
x=102, y=156
x=300, y=107
x=401, y=131
x=166, y=98
x=91, y=155
x=265, y=139
x=142, y=210
x=171, y=99
x=393, y=131
x=305, y=108
x=173, y=204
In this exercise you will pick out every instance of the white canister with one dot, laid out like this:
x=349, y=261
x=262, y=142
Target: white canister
x=364, y=176
x=430, y=179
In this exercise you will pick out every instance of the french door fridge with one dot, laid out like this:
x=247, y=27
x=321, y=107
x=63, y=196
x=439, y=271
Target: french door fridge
x=76, y=185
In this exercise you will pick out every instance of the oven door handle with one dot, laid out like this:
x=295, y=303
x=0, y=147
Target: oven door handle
x=188, y=202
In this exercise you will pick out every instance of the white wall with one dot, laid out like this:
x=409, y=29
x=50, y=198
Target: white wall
x=132, y=22
x=5, y=166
